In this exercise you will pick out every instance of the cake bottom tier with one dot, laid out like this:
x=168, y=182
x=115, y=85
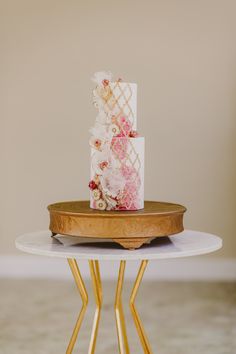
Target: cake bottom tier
x=117, y=175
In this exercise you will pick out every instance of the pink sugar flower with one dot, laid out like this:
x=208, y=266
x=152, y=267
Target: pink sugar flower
x=125, y=125
x=103, y=165
x=121, y=135
x=119, y=147
x=122, y=120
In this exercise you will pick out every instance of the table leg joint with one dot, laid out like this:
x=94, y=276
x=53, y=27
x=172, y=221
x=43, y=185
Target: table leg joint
x=84, y=296
x=137, y=321
x=97, y=289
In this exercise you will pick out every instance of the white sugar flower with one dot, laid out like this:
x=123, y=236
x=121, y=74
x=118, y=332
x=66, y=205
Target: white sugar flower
x=102, y=132
x=100, y=76
x=112, y=181
x=101, y=204
x=97, y=100
x=101, y=95
x=104, y=117
x=99, y=131
x=104, y=158
x=111, y=203
x=114, y=129
x=98, y=159
x=96, y=194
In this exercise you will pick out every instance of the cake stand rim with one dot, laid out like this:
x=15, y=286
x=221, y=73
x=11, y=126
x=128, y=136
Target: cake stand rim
x=117, y=213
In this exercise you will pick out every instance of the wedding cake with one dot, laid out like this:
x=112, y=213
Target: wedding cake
x=117, y=150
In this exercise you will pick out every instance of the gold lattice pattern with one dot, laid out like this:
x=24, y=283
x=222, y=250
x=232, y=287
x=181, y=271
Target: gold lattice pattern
x=119, y=101
x=126, y=154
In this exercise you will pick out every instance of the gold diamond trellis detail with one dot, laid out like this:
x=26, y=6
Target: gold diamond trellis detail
x=124, y=151
x=120, y=101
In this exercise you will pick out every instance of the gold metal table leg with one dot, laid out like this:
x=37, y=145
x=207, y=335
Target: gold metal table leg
x=120, y=319
x=138, y=323
x=84, y=296
x=97, y=288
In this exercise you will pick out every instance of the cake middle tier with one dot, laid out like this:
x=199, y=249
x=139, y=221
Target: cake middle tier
x=117, y=175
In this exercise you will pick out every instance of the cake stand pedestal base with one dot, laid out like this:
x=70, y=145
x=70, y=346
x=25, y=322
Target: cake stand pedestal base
x=133, y=243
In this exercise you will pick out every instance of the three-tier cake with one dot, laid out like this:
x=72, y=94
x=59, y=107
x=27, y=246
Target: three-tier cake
x=117, y=150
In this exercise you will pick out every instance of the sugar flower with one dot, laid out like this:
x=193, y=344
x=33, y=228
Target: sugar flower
x=96, y=179
x=96, y=194
x=112, y=182
x=105, y=82
x=101, y=76
x=100, y=159
x=133, y=134
x=100, y=131
x=103, y=117
x=101, y=204
x=97, y=100
x=92, y=185
x=119, y=147
x=103, y=165
x=114, y=129
x=95, y=143
x=125, y=125
x=111, y=202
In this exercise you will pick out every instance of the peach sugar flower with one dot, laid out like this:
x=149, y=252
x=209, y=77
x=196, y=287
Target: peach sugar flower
x=95, y=143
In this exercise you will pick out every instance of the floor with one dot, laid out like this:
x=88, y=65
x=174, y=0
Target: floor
x=37, y=316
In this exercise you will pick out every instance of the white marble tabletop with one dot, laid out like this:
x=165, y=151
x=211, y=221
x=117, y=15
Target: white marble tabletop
x=184, y=244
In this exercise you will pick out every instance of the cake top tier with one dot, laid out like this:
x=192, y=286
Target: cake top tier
x=115, y=99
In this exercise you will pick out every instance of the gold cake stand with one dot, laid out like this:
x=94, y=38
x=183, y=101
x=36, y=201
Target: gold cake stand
x=131, y=229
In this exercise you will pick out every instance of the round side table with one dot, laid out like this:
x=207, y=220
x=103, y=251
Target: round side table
x=186, y=243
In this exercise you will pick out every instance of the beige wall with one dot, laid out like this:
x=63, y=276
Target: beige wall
x=181, y=53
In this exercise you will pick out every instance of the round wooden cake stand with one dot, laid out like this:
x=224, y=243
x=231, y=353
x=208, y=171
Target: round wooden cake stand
x=131, y=229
